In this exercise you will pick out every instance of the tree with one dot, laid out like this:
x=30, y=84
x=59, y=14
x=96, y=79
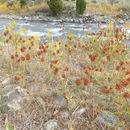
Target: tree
x=56, y=6
x=80, y=6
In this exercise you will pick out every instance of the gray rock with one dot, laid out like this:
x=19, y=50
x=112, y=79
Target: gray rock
x=71, y=80
x=60, y=101
x=5, y=108
x=103, y=100
x=107, y=118
x=29, y=79
x=16, y=99
x=7, y=81
x=34, y=89
x=41, y=102
x=51, y=125
x=31, y=2
x=49, y=114
x=65, y=114
x=120, y=128
x=10, y=3
x=1, y=78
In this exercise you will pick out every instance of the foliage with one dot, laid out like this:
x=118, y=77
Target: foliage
x=80, y=6
x=23, y=2
x=56, y=6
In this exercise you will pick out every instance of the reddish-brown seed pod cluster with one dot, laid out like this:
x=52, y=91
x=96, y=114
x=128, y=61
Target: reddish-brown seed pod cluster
x=56, y=70
x=126, y=95
x=93, y=56
x=84, y=81
x=106, y=89
x=27, y=56
x=17, y=78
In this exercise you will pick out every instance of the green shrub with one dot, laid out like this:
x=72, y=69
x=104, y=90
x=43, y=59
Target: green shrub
x=80, y=6
x=23, y=2
x=56, y=6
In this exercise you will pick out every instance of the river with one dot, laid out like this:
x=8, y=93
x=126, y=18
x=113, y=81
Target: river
x=57, y=29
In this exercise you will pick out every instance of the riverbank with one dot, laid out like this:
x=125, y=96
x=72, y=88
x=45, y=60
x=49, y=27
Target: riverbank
x=68, y=16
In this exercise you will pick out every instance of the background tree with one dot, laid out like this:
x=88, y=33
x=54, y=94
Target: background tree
x=80, y=6
x=23, y=2
x=56, y=6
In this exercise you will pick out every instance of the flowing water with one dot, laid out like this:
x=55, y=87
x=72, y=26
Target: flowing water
x=58, y=30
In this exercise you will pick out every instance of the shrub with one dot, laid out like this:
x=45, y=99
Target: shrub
x=56, y=6
x=80, y=6
x=23, y=3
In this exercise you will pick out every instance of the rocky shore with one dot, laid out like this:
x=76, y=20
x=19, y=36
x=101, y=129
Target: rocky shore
x=68, y=16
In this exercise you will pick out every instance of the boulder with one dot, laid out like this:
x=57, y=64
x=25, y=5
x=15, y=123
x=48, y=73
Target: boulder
x=16, y=99
x=107, y=118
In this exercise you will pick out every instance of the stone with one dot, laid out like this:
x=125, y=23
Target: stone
x=8, y=88
x=120, y=128
x=49, y=114
x=107, y=118
x=10, y=3
x=33, y=89
x=1, y=78
x=31, y=2
x=16, y=99
x=121, y=22
x=29, y=79
x=88, y=59
x=64, y=114
x=51, y=125
x=60, y=101
x=71, y=80
x=94, y=1
x=41, y=102
x=79, y=112
x=103, y=100
x=7, y=81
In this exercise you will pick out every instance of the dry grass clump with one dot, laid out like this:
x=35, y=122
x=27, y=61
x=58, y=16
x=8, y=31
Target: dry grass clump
x=105, y=8
x=16, y=8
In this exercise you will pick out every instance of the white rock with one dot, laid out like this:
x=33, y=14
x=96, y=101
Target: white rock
x=7, y=81
x=8, y=88
x=79, y=112
x=51, y=125
x=16, y=99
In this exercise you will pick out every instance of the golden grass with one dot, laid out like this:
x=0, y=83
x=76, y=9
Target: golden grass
x=104, y=8
x=16, y=8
